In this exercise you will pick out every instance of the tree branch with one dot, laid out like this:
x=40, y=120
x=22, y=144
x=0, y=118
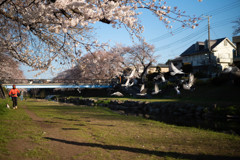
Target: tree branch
x=3, y=2
x=104, y=20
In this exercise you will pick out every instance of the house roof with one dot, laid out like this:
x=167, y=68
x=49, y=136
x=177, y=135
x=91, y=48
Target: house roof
x=201, y=47
x=162, y=65
x=175, y=59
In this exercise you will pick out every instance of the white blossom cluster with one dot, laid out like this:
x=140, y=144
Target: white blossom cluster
x=37, y=32
x=100, y=65
x=111, y=64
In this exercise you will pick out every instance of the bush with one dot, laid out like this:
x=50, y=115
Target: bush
x=199, y=82
x=201, y=75
x=42, y=93
x=221, y=79
x=106, y=101
x=229, y=110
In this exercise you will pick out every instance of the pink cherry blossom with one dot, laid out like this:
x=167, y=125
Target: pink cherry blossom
x=37, y=32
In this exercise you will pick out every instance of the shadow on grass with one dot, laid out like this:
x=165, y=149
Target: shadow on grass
x=67, y=119
x=146, y=151
x=103, y=125
x=70, y=128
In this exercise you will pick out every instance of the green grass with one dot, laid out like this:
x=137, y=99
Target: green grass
x=108, y=99
x=100, y=133
x=3, y=106
x=16, y=124
x=4, y=131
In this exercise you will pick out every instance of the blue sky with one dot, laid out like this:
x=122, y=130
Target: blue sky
x=222, y=12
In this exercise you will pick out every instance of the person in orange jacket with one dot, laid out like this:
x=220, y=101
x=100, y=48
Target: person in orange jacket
x=14, y=92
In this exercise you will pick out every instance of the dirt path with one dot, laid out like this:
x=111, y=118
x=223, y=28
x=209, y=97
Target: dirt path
x=55, y=137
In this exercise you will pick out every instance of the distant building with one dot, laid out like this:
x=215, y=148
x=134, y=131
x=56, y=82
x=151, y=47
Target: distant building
x=164, y=68
x=154, y=69
x=236, y=55
x=199, y=56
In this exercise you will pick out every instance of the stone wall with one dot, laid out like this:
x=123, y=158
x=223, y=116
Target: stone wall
x=152, y=109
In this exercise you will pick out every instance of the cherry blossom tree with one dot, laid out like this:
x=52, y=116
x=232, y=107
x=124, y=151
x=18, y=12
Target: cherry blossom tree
x=100, y=65
x=104, y=64
x=140, y=56
x=37, y=32
x=9, y=68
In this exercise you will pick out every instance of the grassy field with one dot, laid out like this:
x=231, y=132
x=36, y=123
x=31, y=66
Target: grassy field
x=42, y=129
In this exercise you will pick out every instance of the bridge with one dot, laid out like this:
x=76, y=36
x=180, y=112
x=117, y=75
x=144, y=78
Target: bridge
x=56, y=83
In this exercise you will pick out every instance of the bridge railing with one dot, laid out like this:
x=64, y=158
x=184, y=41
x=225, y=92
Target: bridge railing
x=81, y=81
x=13, y=81
x=49, y=81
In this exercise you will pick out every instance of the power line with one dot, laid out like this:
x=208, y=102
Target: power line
x=224, y=22
x=184, y=44
x=225, y=8
x=217, y=11
x=166, y=35
x=187, y=44
x=187, y=38
x=175, y=32
x=195, y=37
x=200, y=31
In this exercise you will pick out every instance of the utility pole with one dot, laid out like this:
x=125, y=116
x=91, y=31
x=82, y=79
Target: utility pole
x=209, y=46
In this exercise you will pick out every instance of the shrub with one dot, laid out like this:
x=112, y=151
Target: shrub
x=201, y=75
x=228, y=110
x=199, y=82
x=221, y=79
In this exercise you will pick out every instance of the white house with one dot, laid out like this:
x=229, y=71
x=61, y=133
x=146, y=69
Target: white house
x=221, y=54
